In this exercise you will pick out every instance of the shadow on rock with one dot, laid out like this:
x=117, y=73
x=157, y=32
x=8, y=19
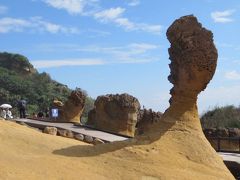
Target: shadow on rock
x=88, y=151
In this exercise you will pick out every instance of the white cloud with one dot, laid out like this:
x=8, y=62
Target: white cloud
x=3, y=9
x=71, y=6
x=115, y=15
x=51, y=27
x=134, y=53
x=232, y=75
x=8, y=24
x=133, y=2
x=66, y=62
x=125, y=23
x=131, y=53
x=34, y=24
x=109, y=14
x=222, y=16
x=155, y=29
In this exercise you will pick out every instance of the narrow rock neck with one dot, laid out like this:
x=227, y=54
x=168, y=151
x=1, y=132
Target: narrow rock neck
x=181, y=108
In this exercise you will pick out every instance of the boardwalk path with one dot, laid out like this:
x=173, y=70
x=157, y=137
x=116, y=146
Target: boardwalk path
x=76, y=129
x=234, y=157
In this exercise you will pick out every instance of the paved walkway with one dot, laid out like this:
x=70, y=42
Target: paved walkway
x=77, y=129
x=230, y=157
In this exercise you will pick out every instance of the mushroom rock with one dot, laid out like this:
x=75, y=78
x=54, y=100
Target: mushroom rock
x=175, y=147
x=115, y=113
x=193, y=62
x=72, y=109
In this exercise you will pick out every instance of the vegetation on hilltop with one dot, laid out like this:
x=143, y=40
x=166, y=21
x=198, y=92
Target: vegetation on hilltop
x=19, y=79
x=222, y=117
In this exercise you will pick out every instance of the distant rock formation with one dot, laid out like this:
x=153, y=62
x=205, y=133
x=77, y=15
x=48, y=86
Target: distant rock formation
x=115, y=113
x=146, y=119
x=72, y=109
x=221, y=132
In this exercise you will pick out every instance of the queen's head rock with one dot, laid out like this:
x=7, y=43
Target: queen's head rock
x=193, y=58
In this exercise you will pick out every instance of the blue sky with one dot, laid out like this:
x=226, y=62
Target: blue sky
x=117, y=46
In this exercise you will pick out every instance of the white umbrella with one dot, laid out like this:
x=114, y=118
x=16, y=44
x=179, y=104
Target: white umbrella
x=4, y=106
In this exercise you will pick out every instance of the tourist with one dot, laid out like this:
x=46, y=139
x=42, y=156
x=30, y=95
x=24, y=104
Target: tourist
x=47, y=112
x=40, y=114
x=34, y=115
x=3, y=113
x=8, y=114
x=22, y=108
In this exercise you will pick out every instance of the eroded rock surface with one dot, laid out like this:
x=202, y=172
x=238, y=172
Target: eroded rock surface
x=50, y=130
x=193, y=58
x=146, y=119
x=72, y=109
x=193, y=62
x=115, y=113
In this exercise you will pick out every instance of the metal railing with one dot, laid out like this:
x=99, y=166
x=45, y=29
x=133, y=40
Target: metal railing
x=225, y=144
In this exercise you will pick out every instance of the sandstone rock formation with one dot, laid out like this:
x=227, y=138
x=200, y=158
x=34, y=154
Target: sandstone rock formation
x=72, y=109
x=193, y=62
x=88, y=139
x=115, y=113
x=79, y=137
x=146, y=119
x=65, y=133
x=50, y=130
x=174, y=148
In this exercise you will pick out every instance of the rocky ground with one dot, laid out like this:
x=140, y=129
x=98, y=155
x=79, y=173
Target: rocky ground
x=29, y=154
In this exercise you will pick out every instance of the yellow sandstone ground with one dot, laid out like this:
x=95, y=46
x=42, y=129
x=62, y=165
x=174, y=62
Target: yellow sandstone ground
x=168, y=154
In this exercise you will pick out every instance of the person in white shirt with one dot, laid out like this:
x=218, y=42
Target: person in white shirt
x=8, y=114
x=3, y=113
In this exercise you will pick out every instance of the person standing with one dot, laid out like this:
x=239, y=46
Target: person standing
x=22, y=108
x=3, y=113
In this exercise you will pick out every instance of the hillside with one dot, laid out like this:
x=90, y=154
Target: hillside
x=19, y=79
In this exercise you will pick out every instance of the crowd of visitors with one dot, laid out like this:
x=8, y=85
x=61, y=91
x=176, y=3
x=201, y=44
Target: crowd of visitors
x=21, y=106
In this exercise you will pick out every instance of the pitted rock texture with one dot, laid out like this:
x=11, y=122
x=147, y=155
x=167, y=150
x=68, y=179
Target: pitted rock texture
x=193, y=62
x=115, y=113
x=146, y=119
x=193, y=57
x=72, y=109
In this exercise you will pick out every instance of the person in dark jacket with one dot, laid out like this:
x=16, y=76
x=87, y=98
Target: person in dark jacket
x=22, y=108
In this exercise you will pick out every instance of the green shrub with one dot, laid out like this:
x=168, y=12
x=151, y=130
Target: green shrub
x=38, y=89
x=222, y=117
